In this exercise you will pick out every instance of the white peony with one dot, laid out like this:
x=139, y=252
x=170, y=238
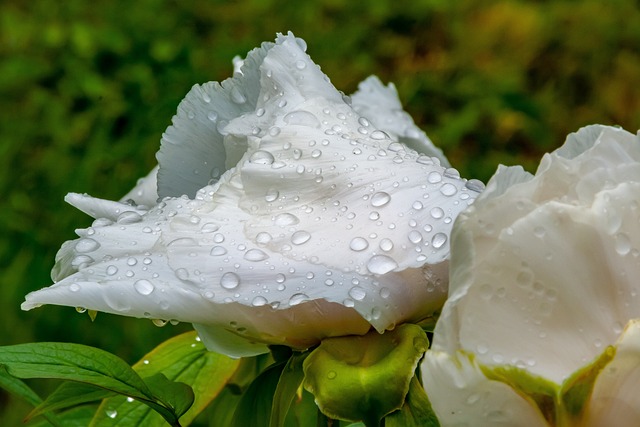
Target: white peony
x=285, y=212
x=541, y=327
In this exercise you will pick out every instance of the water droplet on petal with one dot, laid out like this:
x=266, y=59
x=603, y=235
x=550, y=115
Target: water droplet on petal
x=386, y=244
x=448, y=189
x=415, y=237
x=622, y=243
x=434, y=177
x=255, y=255
x=286, y=219
x=272, y=195
x=378, y=135
x=437, y=213
x=112, y=270
x=261, y=157
x=259, y=301
x=380, y=199
x=438, y=240
x=143, y=287
x=74, y=287
x=359, y=244
x=237, y=96
x=297, y=299
x=263, y=238
x=229, y=280
x=381, y=264
x=86, y=245
x=302, y=118
x=357, y=293
x=300, y=237
x=475, y=185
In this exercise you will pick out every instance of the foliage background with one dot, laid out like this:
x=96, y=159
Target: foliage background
x=87, y=88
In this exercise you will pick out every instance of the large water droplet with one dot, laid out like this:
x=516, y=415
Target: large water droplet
x=448, y=189
x=475, y=185
x=622, y=243
x=111, y=413
x=380, y=199
x=300, y=237
x=229, y=280
x=297, y=299
x=357, y=293
x=381, y=264
x=437, y=213
x=415, y=237
x=272, y=195
x=302, y=118
x=129, y=217
x=86, y=245
x=259, y=301
x=286, y=219
x=378, y=135
x=261, y=157
x=263, y=238
x=438, y=240
x=143, y=287
x=386, y=244
x=359, y=244
x=112, y=270
x=255, y=255
x=218, y=251
x=434, y=177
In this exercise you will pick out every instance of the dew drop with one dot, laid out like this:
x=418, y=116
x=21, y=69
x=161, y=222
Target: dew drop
x=261, y=157
x=74, y=287
x=129, y=217
x=259, y=301
x=286, y=219
x=438, y=240
x=437, y=213
x=300, y=237
x=297, y=299
x=263, y=238
x=357, y=293
x=380, y=199
x=622, y=244
x=386, y=244
x=381, y=264
x=434, y=177
x=359, y=244
x=302, y=118
x=272, y=195
x=255, y=255
x=229, y=280
x=378, y=135
x=112, y=270
x=415, y=237
x=111, y=413
x=143, y=287
x=448, y=189
x=86, y=245
x=331, y=375
x=212, y=116
x=237, y=96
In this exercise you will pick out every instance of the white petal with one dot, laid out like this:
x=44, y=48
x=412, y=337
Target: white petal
x=381, y=106
x=461, y=395
x=615, y=399
x=146, y=190
x=556, y=258
x=102, y=209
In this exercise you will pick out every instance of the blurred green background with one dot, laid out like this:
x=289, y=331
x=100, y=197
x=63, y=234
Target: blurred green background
x=87, y=88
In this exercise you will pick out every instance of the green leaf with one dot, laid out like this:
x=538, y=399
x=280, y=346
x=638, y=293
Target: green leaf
x=416, y=410
x=183, y=359
x=76, y=417
x=254, y=408
x=364, y=378
x=175, y=395
x=19, y=388
x=74, y=362
x=70, y=394
x=288, y=385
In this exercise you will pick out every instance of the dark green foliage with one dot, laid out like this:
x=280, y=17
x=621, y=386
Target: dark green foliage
x=87, y=88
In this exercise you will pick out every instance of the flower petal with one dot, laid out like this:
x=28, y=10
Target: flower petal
x=145, y=192
x=381, y=106
x=461, y=394
x=545, y=253
x=615, y=399
x=251, y=254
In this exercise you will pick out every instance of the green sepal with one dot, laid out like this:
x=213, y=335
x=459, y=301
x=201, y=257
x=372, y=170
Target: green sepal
x=416, y=410
x=364, y=378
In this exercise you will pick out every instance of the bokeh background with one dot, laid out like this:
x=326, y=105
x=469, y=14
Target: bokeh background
x=87, y=88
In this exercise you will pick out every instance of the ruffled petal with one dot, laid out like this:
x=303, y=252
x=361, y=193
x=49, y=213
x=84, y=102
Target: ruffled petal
x=461, y=394
x=318, y=225
x=381, y=106
x=145, y=192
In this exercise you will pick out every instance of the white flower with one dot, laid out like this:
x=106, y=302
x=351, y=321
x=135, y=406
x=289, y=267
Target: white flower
x=284, y=216
x=544, y=279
